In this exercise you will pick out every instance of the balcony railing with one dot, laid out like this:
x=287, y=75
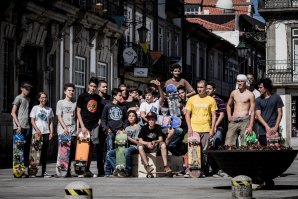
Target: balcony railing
x=282, y=72
x=281, y=3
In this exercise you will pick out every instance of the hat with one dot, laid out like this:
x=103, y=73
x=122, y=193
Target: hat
x=151, y=114
x=26, y=85
x=241, y=77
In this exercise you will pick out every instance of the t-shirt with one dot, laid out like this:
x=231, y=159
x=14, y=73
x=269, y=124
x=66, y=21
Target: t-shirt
x=268, y=107
x=150, y=107
x=148, y=135
x=201, y=109
x=133, y=103
x=256, y=93
x=90, y=106
x=42, y=116
x=133, y=132
x=114, y=117
x=221, y=108
x=22, y=104
x=181, y=82
x=67, y=110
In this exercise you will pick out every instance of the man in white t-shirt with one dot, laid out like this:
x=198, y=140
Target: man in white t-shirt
x=149, y=105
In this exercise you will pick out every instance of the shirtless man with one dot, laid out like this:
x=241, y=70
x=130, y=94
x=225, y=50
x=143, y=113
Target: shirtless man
x=243, y=102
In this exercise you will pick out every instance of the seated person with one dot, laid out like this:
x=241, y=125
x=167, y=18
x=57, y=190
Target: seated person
x=150, y=140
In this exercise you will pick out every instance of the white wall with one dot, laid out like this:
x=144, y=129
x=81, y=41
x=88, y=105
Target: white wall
x=231, y=36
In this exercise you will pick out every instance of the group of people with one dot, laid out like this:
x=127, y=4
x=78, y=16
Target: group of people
x=98, y=113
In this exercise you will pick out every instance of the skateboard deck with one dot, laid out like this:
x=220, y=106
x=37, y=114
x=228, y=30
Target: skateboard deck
x=120, y=142
x=250, y=139
x=63, y=155
x=194, y=155
x=18, y=155
x=168, y=121
x=274, y=139
x=173, y=100
x=82, y=153
x=35, y=152
x=151, y=174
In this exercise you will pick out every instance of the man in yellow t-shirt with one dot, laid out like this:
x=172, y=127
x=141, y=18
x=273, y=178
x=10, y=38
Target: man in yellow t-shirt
x=201, y=116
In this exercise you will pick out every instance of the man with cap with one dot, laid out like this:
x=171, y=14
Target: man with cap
x=242, y=118
x=20, y=116
x=151, y=140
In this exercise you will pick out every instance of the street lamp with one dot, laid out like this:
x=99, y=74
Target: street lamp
x=142, y=34
x=242, y=49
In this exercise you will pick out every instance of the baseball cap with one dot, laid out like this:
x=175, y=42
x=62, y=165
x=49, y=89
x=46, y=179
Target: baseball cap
x=26, y=85
x=151, y=114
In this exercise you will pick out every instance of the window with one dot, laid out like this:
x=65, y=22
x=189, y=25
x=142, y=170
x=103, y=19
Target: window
x=168, y=44
x=177, y=45
x=101, y=71
x=79, y=74
x=160, y=39
x=7, y=76
x=192, y=9
x=295, y=51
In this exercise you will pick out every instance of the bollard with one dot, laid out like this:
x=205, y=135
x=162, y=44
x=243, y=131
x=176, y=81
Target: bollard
x=78, y=189
x=241, y=187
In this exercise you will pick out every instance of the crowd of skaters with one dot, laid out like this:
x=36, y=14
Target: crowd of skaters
x=248, y=109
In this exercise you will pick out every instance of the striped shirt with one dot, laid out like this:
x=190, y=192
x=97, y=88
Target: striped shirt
x=221, y=108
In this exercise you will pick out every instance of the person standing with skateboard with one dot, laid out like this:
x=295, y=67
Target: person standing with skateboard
x=66, y=113
x=114, y=119
x=43, y=126
x=242, y=119
x=268, y=111
x=178, y=81
x=200, y=117
x=88, y=114
x=150, y=141
x=20, y=113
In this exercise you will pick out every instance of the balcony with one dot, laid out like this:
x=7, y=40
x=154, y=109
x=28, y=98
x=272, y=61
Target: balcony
x=282, y=73
x=281, y=3
x=278, y=9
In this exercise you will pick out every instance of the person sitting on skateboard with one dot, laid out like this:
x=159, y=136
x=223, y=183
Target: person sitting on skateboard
x=151, y=140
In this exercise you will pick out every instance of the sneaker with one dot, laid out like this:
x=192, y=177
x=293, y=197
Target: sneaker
x=47, y=175
x=202, y=175
x=81, y=176
x=222, y=174
x=89, y=174
x=149, y=168
x=186, y=175
x=167, y=169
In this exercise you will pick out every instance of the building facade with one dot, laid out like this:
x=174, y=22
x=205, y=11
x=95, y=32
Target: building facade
x=282, y=58
x=50, y=43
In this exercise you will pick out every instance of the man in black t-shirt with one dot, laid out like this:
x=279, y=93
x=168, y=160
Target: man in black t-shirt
x=150, y=140
x=88, y=112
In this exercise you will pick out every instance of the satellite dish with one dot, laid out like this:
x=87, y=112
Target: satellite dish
x=129, y=55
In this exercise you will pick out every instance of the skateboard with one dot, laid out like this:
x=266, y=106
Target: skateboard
x=194, y=155
x=82, y=153
x=173, y=100
x=168, y=121
x=63, y=155
x=274, y=139
x=250, y=139
x=120, y=142
x=151, y=174
x=35, y=152
x=18, y=155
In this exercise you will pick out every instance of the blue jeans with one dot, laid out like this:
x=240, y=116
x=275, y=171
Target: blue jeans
x=111, y=160
x=175, y=144
x=110, y=140
x=217, y=138
x=128, y=156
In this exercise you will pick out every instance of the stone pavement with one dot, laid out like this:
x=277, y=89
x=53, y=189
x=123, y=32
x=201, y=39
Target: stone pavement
x=210, y=187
